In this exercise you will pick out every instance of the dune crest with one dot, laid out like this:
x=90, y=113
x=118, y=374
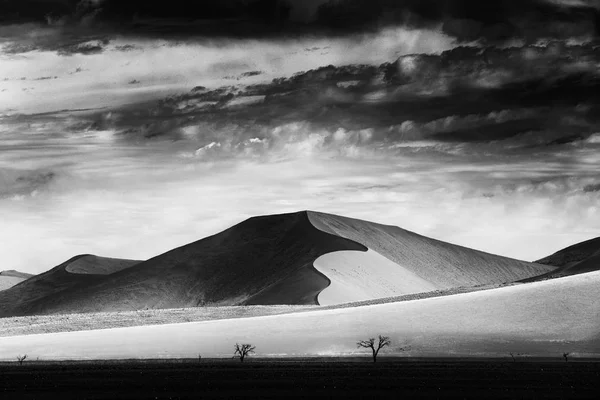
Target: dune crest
x=91, y=264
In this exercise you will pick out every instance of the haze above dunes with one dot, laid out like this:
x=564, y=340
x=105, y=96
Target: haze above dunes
x=302, y=258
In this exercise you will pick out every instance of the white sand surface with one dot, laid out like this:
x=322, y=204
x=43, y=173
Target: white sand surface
x=541, y=318
x=7, y=282
x=357, y=276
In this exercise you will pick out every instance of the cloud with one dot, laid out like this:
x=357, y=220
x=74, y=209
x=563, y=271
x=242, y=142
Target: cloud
x=527, y=95
x=470, y=20
x=595, y=187
x=489, y=147
x=466, y=20
x=167, y=67
x=19, y=183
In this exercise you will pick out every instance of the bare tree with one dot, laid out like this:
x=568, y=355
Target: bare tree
x=566, y=356
x=22, y=358
x=243, y=350
x=375, y=345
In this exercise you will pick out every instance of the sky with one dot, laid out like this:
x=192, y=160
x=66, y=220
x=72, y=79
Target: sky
x=131, y=128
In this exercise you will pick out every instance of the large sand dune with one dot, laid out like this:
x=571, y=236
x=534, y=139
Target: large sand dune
x=537, y=319
x=270, y=260
x=444, y=265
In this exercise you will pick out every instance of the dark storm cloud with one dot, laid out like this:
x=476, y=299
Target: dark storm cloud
x=492, y=21
x=592, y=188
x=529, y=97
x=471, y=19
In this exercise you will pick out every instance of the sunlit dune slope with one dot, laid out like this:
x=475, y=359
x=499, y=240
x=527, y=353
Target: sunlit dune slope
x=537, y=319
x=404, y=262
x=10, y=278
x=29, y=296
x=297, y=258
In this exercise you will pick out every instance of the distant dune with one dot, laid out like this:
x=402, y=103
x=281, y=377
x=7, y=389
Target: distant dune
x=10, y=278
x=536, y=319
x=28, y=296
x=573, y=254
x=576, y=259
x=297, y=259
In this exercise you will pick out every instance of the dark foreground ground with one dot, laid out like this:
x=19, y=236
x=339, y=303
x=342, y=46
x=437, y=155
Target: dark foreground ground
x=301, y=379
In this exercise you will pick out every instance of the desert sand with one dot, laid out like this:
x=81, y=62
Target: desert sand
x=10, y=278
x=94, y=265
x=542, y=318
x=359, y=276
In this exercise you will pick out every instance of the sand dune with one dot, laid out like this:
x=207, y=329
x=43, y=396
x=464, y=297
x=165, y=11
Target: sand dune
x=10, y=278
x=364, y=276
x=572, y=255
x=269, y=260
x=411, y=262
x=29, y=296
x=263, y=260
x=91, y=264
x=576, y=259
x=538, y=319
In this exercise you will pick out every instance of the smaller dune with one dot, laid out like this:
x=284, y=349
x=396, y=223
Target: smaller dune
x=33, y=294
x=95, y=265
x=6, y=282
x=572, y=255
x=577, y=259
x=10, y=278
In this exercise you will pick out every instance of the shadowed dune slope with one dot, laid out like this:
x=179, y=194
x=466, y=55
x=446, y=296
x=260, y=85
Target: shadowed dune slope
x=10, y=278
x=25, y=296
x=538, y=319
x=434, y=264
x=577, y=259
x=263, y=260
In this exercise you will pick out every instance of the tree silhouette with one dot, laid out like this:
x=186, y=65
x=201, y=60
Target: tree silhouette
x=515, y=355
x=242, y=350
x=566, y=356
x=22, y=358
x=375, y=345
